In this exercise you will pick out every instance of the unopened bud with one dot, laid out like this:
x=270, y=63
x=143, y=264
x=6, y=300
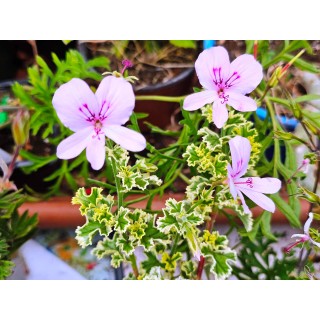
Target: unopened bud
x=20, y=127
x=283, y=135
x=308, y=195
x=275, y=77
x=296, y=109
x=311, y=127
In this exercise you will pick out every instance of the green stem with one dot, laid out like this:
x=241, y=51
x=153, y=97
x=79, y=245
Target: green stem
x=184, y=178
x=128, y=203
x=276, y=141
x=175, y=244
x=133, y=261
x=116, y=179
x=160, y=98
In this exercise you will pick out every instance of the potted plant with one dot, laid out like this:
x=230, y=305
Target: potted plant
x=186, y=226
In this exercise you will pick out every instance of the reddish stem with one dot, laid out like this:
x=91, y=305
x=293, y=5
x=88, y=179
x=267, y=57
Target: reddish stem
x=209, y=226
x=200, y=267
x=255, y=49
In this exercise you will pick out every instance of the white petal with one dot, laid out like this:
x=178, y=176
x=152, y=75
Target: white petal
x=262, y=185
x=244, y=205
x=208, y=60
x=308, y=223
x=126, y=138
x=197, y=100
x=260, y=199
x=298, y=235
x=240, y=102
x=250, y=72
x=232, y=186
x=72, y=146
x=219, y=114
x=240, y=149
x=115, y=99
x=96, y=153
x=73, y=102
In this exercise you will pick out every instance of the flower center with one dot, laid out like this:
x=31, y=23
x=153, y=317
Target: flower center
x=91, y=116
x=222, y=96
x=248, y=182
x=223, y=85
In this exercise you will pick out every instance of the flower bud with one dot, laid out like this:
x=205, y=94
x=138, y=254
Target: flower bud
x=308, y=195
x=20, y=127
x=283, y=135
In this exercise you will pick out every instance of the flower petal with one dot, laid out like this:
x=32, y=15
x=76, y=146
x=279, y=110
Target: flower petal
x=219, y=114
x=244, y=205
x=303, y=237
x=208, y=60
x=96, y=152
x=70, y=99
x=72, y=146
x=232, y=186
x=126, y=138
x=308, y=223
x=115, y=99
x=263, y=185
x=250, y=72
x=197, y=100
x=240, y=154
x=260, y=199
x=314, y=242
x=240, y=102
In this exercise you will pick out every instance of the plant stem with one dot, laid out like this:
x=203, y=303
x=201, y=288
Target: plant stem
x=175, y=244
x=160, y=98
x=209, y=226
x=12, y=163
x=316, y=182
x=116, y=179
x=276, y=141
x=200, y=267
x=133, y=261
x=314, y=148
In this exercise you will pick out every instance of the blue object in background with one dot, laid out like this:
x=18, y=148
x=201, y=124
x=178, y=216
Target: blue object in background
x=208, y=44
x=289, y=123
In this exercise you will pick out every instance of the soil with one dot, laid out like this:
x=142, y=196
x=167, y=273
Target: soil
x=153, y=61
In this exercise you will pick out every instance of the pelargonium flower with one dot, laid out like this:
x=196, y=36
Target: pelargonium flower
x=304, y=236
x=253, y=187
x=94, y=116
x=224, y=83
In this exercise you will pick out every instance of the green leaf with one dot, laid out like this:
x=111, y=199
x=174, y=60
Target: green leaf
x=301, y=64
x=191, y=44
x=150, y=262
x=85, y=234
x=286, y=209
x=125, y=246
x=6, y=268
x=122, y=221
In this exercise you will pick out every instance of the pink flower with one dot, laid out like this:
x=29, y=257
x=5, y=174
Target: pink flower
x=94, y=116
x=224, y=83
x=304, y=236
x=252, y=187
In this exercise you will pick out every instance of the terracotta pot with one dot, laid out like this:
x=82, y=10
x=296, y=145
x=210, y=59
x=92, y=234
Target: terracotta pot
x=58, y=212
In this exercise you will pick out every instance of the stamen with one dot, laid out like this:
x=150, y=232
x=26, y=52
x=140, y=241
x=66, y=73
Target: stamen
x=126, y=64
x=288, y=249
x=90, y=116
x=217, y=76
x=103, y=116
x=248, y=182
x=232, y=79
